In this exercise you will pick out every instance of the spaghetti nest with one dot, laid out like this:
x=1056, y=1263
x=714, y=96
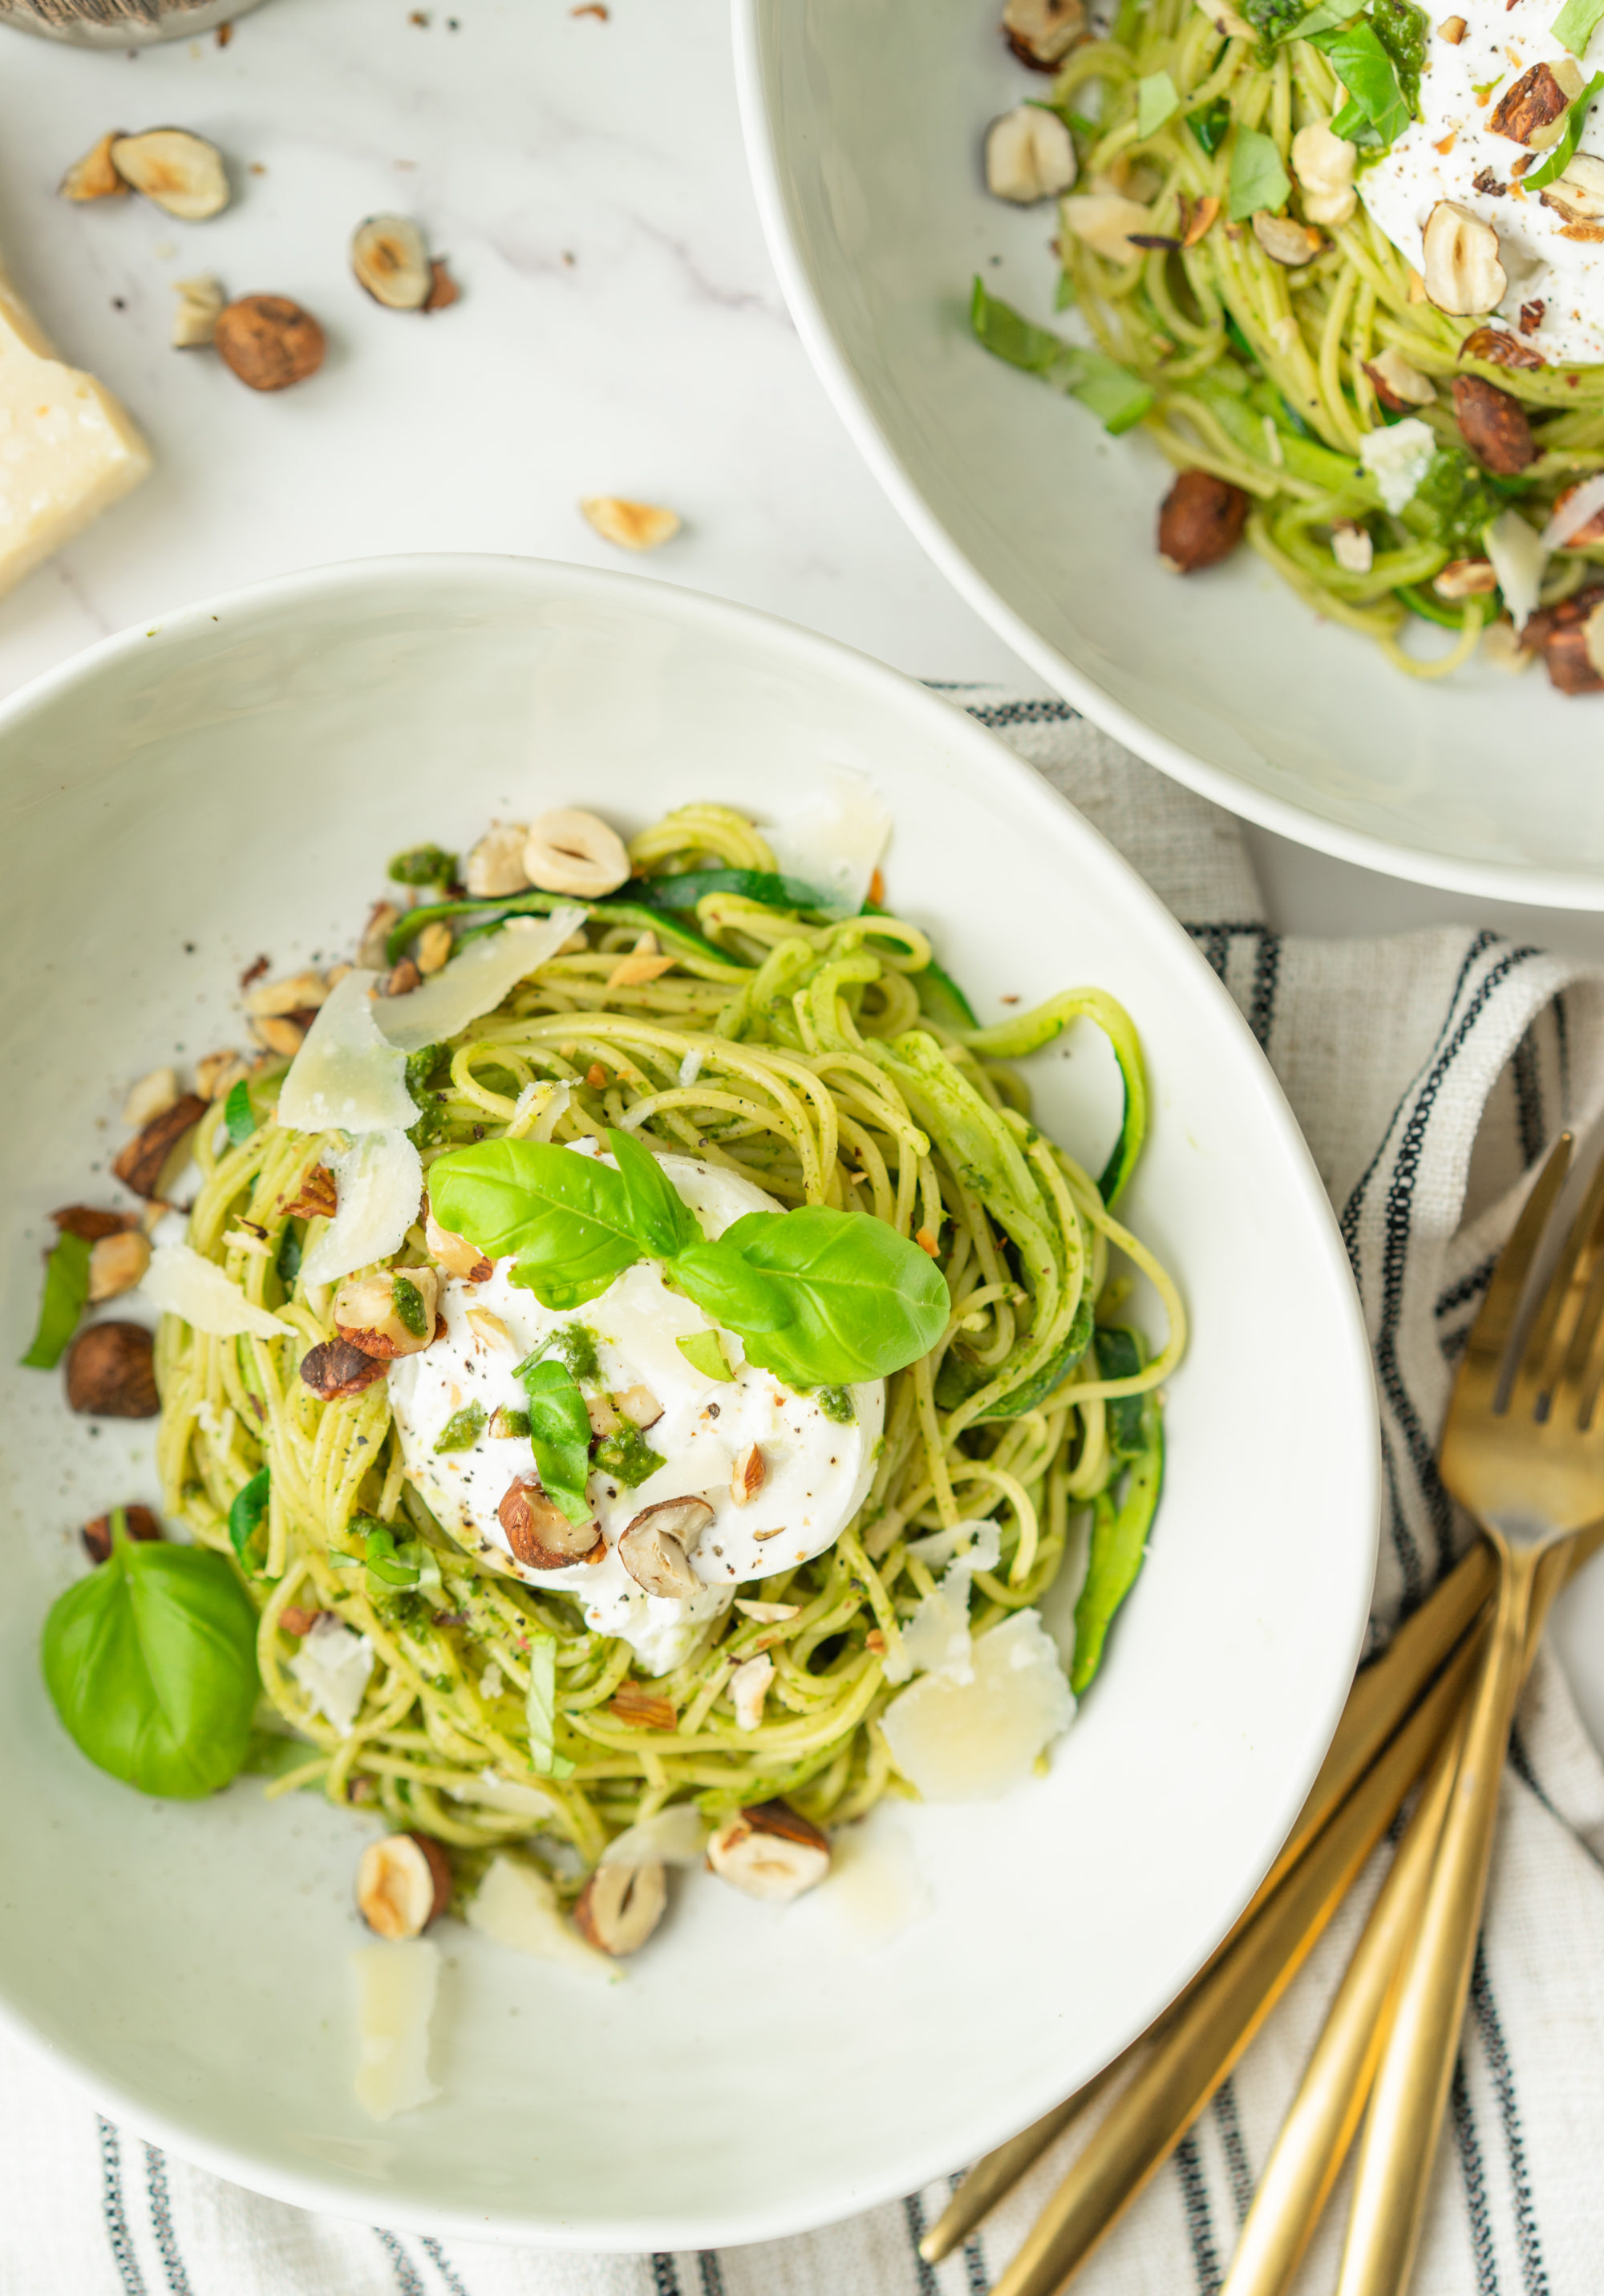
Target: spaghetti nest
x=1260, y=373
x=833, y=1064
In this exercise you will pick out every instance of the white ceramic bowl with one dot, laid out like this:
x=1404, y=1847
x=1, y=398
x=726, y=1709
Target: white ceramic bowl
x=232, y=780
x=864, y=129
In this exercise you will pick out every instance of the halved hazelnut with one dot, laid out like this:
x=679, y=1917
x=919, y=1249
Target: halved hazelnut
x=434, y=947
x=1571, y=638
x=638, y=1405
x=620, y=1906
x=538, y=1532
x=151, y=1096
x=1397, y=384
x=1493, y=425
x=97, y=1536
x=1533, y=110
x=1201, y=520
x=403, y=1884
x=571, y=851
x=389, y=1314
x=454, y=1253
x=94, y=177
x=1466, y=577
x=1464, y=273
x=335, y=1369
x=630, y=525
x=298, y=992
x=1284, y=240
x=182, y=173
x=117, y=1263
x=748, y=1687
x=746, y=1474
x=111, y=1373
x=1578, y=198
x=1029, y=156
x=199, y=307
x=317, y=1196
x=496, y=864
x=390, y=257
x=269, y=342
x=1041, y=32
x=604, y=1420
x=656, y=1547
x=159, y=1144
x=1323, y=163
x=770, y=1851
x=84, y=1220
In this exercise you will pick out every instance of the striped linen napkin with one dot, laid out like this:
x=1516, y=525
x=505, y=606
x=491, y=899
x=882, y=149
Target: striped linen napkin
x=1429, y=1071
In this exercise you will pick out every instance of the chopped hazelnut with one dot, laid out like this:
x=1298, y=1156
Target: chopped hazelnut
x=94, y=177
x=630, y=525
x=144, y=1162
x=117, y=1263
x=1201, y=522
x=335, y=1369
x=538, y=1532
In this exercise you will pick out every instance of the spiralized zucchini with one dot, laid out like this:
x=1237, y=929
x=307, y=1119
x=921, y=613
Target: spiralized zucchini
x=796, y=1051
x=1258, y=371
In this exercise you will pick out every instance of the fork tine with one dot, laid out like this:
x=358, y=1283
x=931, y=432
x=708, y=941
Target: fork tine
x=1546, y=1352
x=1489, y=1339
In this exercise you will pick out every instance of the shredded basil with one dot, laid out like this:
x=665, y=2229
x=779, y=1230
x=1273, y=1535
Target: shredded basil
x=1117, y=397
x=62, y=1301
x=541, y=1706
x=248, y=1515
x=1575, y=24
x=703, y=1353
x=240, y=1119
x=1257, y=177
x=1155, y=101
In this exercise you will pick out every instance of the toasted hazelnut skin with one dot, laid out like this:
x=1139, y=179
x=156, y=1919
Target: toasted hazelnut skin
x=1499, y=347
x=655, y=1548
x=84, y=1220
x=1201, y=522
x=392, y=1875
x=620, y=1906
x=1528, y=112
x=1559, y=635
x=336, y=1368
x=269, y=342
x=111, y=1373
x=1593, y=533
x=316, y=1198
x=97, y=1536
x=541, y=1535
x=141, y=1164
x=1493, y=425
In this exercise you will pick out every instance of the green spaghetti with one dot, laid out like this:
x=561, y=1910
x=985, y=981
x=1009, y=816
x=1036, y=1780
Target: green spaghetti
x=831, y=1061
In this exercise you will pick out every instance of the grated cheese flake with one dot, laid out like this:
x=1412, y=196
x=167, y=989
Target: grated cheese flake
x=475, y=981
x=516, y=1906
x=181, y=1281
x=345, y=1076
x=972, y=1740
x=379, y=1184
x=396, y=1990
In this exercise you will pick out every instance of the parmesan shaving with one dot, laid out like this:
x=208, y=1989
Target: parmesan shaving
x=487, y=971
x=674, y=1836
x=836, y=839
x=345, y=1076
x=180, y=1282
x=396, y=1988
x=516, y=1906
x=1518, y=556
x=332, y=1666
x=379, y=1183
x=972, y=1740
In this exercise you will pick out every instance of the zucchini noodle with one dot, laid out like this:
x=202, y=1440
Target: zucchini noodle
x=831, y=1063
x=1258, y=372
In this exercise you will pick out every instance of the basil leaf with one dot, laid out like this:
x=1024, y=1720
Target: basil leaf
x=541, y=1706
x=1326, y=17
x=288, y=1260
x=1212, y=124
x=1117, y=396
x=627, y=1457
x=386, y=1569
x=62, y=1301
x=1155, y=101
x=683, y=893
x=463, y=1430
x=1575, y=24
x=1257, y=177
x=1402, y=31
x=703, y=1353
x=560, y=1429
x=239, y=1117
x=1371, y=78
x=150, y=1663
x=247, y=1513
x=819, y=1298
x=1560, y=158
x=567, y=1219
x=1273, y=21
x=661, y=1220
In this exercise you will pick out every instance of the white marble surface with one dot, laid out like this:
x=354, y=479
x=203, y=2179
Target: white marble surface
x=620, y=332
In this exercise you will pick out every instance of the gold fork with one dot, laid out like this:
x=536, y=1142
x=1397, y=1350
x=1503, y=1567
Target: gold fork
x=1530, y=1467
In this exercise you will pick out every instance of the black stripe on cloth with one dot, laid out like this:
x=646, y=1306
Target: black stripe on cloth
x=1402, y=1538
x=712, y=2272
x=1520, y=1762
x=1527, y=1081
x=161, y=2222
x=1215, y=940
x=1533, y=2273
x=997, y=714
x=401, y=2264
x=1474, y=2177
x=437, y=2256
x=1397, y=1234
x=1199, y=2216
x=924, y=2276
x=665, y=2276
x=975, y=2275
x=1459, y=1295
x=112, y=2210
x=1228, y=2118
x=1267, y=977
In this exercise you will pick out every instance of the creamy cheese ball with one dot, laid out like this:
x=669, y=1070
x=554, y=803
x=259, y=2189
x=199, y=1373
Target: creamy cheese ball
x=1477, y=173
x=816, y=1470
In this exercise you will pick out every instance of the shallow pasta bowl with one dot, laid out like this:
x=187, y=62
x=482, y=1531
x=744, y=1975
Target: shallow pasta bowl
x=230, y=781
x=864, y=129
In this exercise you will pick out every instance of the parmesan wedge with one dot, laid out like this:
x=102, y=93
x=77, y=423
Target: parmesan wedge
x=477, y=981
x=332, y=1666
x=180, y=1282
x=396, y=1988
x=836, y=839
x=674, y=1836
x=347, y=1074
x=972, y=1740
x=517, y=1907
x=68, y=451
x=379, y=1184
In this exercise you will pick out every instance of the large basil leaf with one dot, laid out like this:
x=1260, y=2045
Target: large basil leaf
x=661, y=1220
x=819, y=1298
x=65, y=1296
x=150, y=1663
x=560, y=1430
x=568, y=1221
